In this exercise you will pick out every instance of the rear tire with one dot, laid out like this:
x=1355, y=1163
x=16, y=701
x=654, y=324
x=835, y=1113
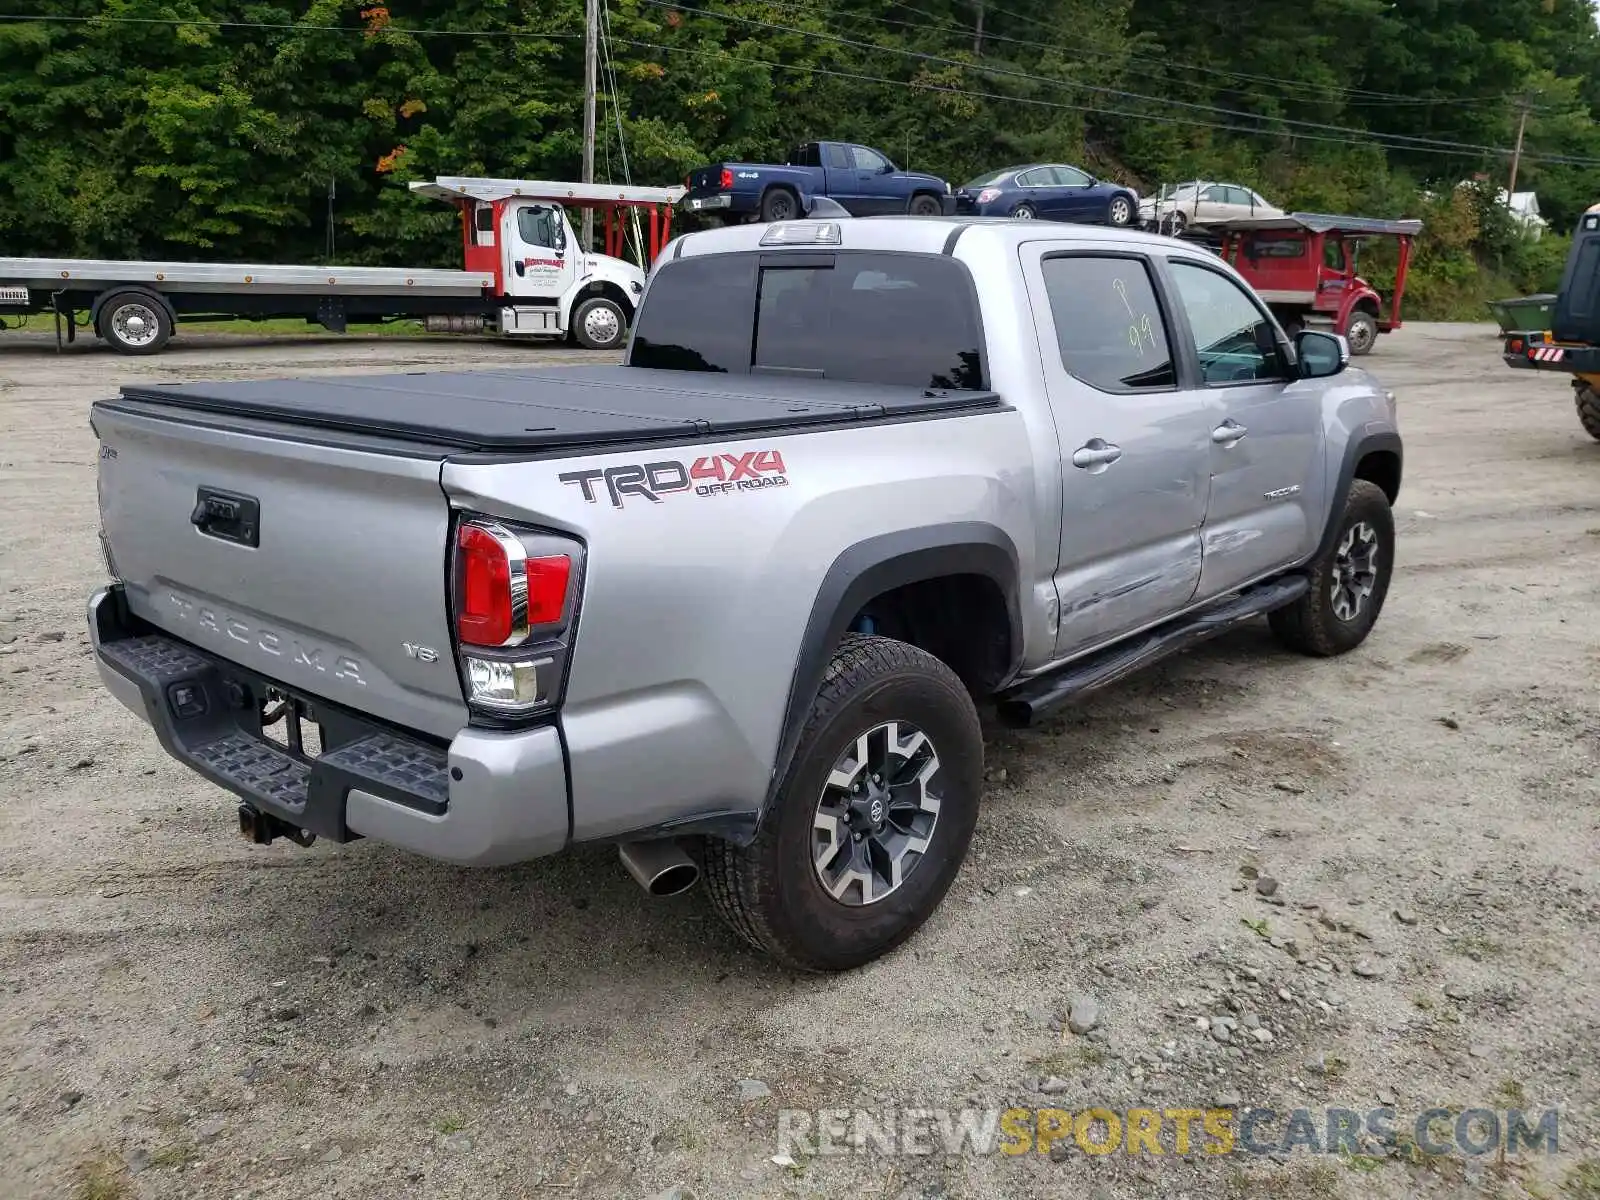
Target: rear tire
x=807, y=890
x=1024, y=212
x=779, y=204
x=134, y=322
x=1588, y=403
x=924, y=205
x=599, y=324
x=1348, y=583
x=1361, y=331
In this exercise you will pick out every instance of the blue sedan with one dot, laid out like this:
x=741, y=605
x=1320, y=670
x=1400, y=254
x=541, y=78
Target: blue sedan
x=1049, y=192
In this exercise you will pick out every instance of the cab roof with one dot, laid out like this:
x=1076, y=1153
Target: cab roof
x=907, y=234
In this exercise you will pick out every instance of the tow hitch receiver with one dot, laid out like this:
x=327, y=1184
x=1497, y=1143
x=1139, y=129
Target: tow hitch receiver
x=262, y=828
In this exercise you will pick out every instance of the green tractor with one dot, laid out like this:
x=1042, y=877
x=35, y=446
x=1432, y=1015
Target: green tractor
x=1570, y=342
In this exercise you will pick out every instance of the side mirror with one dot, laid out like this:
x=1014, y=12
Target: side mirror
x=886, y=169
x=1320, y=354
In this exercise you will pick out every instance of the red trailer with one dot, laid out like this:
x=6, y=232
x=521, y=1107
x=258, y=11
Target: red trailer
x=1304, y=266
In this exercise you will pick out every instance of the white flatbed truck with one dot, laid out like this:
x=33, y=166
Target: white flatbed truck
x=525, y=275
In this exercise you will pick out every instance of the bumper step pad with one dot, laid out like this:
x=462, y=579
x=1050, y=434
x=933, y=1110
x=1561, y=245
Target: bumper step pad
x=192, y=701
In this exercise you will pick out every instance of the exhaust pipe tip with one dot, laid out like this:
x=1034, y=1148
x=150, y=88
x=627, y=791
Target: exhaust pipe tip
x=659, y=867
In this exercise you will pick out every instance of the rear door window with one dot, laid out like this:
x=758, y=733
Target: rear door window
x=1108, y=323
x=837, y=157
x=863, y=317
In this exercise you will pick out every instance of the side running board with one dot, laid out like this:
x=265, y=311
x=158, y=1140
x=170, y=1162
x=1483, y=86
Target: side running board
x=1034, y=698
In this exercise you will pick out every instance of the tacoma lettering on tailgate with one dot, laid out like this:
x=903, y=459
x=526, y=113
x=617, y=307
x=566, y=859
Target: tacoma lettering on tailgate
x=268, y=641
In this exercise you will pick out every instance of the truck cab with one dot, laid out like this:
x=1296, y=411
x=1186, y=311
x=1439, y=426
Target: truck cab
x=521, y=233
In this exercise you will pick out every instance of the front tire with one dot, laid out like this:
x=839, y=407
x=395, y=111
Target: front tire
x=1348, y=583
x=134, y=322
x=1361, y=331
x=1121, y=212
x=1588, y=403
x=873, y=818
x=599, y=324
x=924, y=205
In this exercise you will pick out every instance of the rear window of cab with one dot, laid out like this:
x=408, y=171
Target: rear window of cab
x=855, y=316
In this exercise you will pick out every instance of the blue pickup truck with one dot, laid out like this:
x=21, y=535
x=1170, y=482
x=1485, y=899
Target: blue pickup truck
x=859, y=178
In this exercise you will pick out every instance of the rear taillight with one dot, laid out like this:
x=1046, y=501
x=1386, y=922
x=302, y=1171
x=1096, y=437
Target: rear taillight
x=514, y=602
x=725, y=182
x=988, y=194
x=502, y=592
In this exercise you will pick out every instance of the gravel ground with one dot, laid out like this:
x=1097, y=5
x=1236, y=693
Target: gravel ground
x=1263, y=880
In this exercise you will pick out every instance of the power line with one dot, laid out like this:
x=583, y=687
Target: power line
x=1332, y=89
x=1351, y=95
x=945, y=89
x=513, y=34
x=1385, y=139
x=1360, y=136
x=1163, y=60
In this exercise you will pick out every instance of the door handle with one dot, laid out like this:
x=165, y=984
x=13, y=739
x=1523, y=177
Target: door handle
x=1228, y=433
x=1096, y=455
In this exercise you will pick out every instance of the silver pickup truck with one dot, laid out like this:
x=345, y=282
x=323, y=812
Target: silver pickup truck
x=733, y=605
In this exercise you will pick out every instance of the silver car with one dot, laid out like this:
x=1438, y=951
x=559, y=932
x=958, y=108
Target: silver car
x=1199, y=203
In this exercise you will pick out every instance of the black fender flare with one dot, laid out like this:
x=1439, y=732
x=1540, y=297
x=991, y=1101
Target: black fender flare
x=1355, y=450
x=877, y=565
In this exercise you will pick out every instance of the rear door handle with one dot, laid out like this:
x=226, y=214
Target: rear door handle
x=1096, y=455
x=1228, y=433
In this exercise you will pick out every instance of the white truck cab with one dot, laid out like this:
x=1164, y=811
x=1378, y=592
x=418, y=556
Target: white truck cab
x=549, y=284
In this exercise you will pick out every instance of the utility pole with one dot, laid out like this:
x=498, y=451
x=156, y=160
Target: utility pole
x=591, y=65
x=977, y=35
x=1516, y=155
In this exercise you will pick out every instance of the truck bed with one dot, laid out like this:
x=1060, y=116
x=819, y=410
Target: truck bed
x=554, y=409
x=58, y=273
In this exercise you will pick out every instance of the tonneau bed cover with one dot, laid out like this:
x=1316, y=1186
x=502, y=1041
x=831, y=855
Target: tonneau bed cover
x=555, y=408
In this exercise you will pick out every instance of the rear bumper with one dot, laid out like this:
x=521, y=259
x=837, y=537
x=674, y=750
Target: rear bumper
x=716, y=202
x=1537, y=354
x=487, y=799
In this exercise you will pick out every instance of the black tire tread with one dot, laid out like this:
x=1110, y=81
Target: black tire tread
x=766, y=201
x=1373, y=321
x=109, y=306
x=1588, y=405
x=583, y=308
x=737, y=878
x=1300, y=626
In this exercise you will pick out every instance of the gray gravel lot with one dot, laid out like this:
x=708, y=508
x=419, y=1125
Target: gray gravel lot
x=184, y=1015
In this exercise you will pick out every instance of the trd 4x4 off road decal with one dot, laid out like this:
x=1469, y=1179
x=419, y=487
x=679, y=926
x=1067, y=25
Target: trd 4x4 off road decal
x=709, y=475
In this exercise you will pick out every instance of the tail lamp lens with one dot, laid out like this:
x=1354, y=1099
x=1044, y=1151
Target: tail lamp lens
x=988, y=194
x=501, y=593
x=726, y=182
x=514, y=615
